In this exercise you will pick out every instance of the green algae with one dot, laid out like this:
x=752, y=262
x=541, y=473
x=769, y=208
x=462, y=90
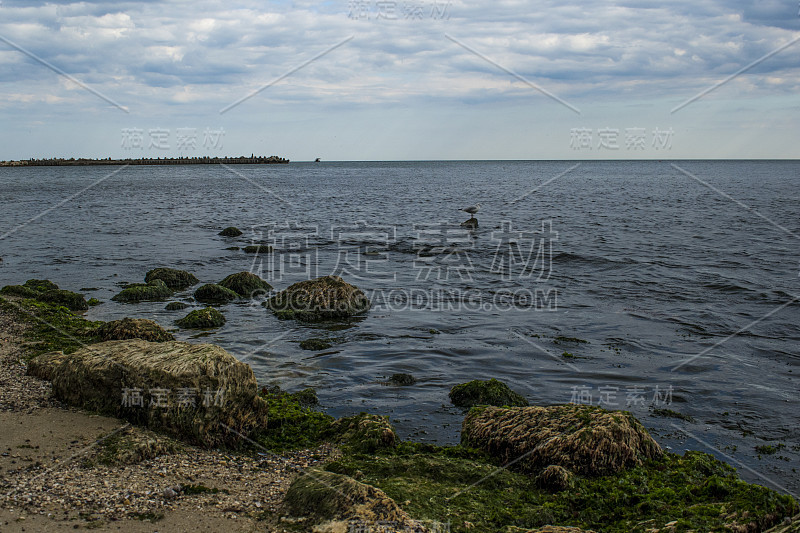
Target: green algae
x=71, y=300
x=141, y=292
x=41, y=285
x=363, y=433
x=93, y=301
x=213, y=293
x=177, y=280
x=202, y=318
x=291, y=423
x=176, y=306
x=491, y=392
x=48, y=292
x=459, y=485
x=245, y=284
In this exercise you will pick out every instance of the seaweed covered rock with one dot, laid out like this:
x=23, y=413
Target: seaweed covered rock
x=328, y=297
x=197, y=392
x=134, y=445
x=364, y=433
x=584, y=439
x=292, y=423
x=20, y=291
x=41, y=285
x=491, y=392
x=176, y=280
x=176, y=306
x=258, y=249
x=230, y=231
x=202, y=318
x=552, y=529
x=315, y=344
x=246, y=284
x=141, y=292
x=48, y=292
x=402, y=380
x=214, y=294
x=337, y=499
x=555, y=478
x=132, y=328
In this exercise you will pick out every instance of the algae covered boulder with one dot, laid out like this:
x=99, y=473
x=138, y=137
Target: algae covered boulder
x=245, y=284
x=315, y=344
x=325, y=298
x=490, y=392
x=214, y=294
x=176, y=280
x=71, y=300
x=176, y=306
x=230, y=231
x=258, y=249
x=364, y=433
x=202, y=318
x=555, y=478
x=20, y=291
x=198, y=392
x=141, y=292
x=132, y=328
x=336, y=499
x=41, y=285
x=402, y=380
x=583, y=439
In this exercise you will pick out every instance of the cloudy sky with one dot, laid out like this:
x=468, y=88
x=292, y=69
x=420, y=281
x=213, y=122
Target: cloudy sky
x=404, y=80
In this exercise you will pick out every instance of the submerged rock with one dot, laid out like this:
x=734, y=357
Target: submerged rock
x=491, y=392
x=140, y=292
x=328, y=297
x=245, y=284
x=71, y=300
x=257, y=249
x=584, y=439
x=132, y=328
x=402, y=380
x=214, y=294
x=174, y=279
x=471, y=223
x=230, y=231
x=176, y=306
x=315, y=344
x=202, y=318
x=364, y=433
x=337, y=499
x=190, y=390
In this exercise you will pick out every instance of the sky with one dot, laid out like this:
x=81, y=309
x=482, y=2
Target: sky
x=400, y=80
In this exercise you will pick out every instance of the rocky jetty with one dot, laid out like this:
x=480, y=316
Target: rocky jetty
x=325, y=298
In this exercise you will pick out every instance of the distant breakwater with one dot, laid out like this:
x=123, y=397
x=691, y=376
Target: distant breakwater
x=242, y=160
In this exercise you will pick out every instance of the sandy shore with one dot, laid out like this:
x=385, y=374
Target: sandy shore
x=52, y=477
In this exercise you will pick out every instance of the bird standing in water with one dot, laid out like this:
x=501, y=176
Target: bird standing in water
x=472, y=209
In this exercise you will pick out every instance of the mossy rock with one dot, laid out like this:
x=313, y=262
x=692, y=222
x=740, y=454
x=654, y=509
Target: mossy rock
x=176, y=306
x=245, y=284
x=202, y=318
x=132, y=328
x=71, y=300
x=364, y=433
x=257, y=249
x=491, y=392
x=134, y=445
x=402, y=380
x=325, y=298
x=20, y=291
x=555, y=478
x=41, y=285
x=584, y=439
x=315, y=344
x=214, y=294
x=176, y=280
x=292, y=424
x=141, y=292
x=230, y=231
x=197, y=392
x=91, y=302
x=329, y=497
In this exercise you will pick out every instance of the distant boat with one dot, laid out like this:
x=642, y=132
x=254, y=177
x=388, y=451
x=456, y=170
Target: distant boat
x=317, y=160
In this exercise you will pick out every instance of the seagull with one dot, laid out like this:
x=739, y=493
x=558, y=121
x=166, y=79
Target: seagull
x=472, y=209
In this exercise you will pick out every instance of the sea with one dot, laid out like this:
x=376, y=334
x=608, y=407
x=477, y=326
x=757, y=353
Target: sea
x=658, y=287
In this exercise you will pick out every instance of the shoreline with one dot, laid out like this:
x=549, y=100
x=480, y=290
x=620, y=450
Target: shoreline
x=82, y=162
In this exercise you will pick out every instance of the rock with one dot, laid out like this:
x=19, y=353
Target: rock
x=246, y=285
x=789, y=525
x=584, y=439
x=71, y=300
x=491, y=392
x=326, y=496
x=134, y=445
x=41, y=285
x=20, y=291
x=214, y=294
x=364, y=433
x=140, y=292
x=328, y=297
x=202, y=318
x=91, y=302
x=190, y=390
x=306, y=397
x=176, y=280
x=169, y=493
x=230, y=231
x=132, y=328
x=402, y=379
x=315, y=344
x=550, y=529
x=257, y=249
x=555, y=478
x=471, y=223
x=176, y=306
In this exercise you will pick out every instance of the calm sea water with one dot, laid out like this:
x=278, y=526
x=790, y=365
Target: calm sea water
x=681, y=278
